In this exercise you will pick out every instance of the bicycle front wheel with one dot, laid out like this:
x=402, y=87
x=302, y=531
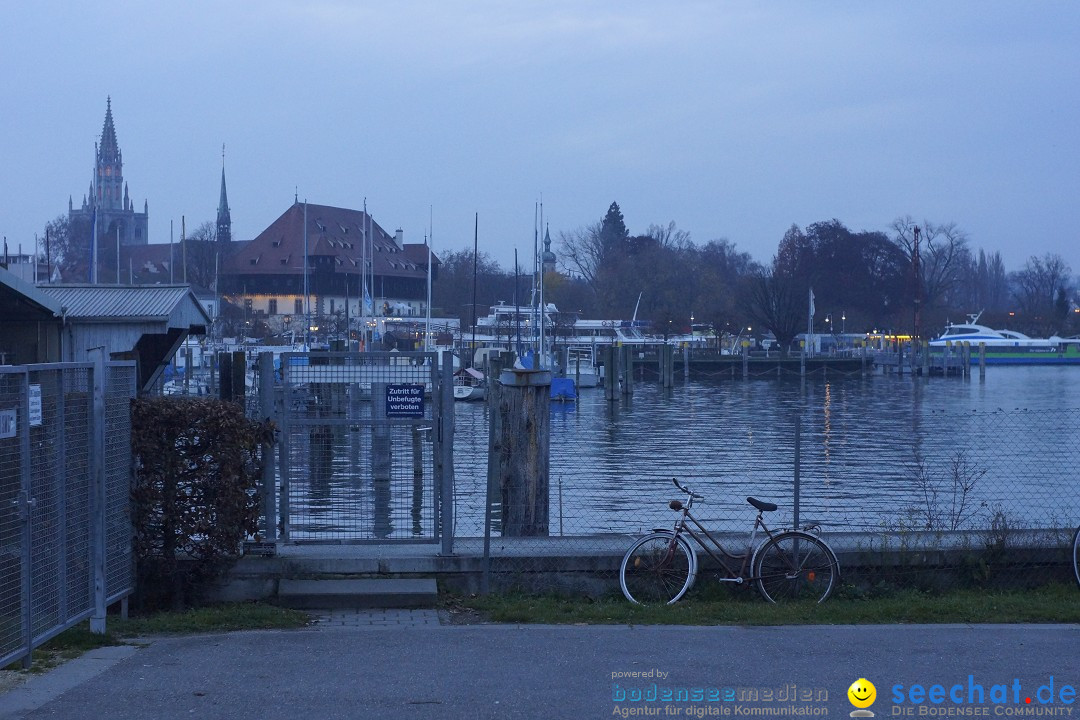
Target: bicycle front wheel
x=657, y=570
x=1076, y=555
x=795, y=566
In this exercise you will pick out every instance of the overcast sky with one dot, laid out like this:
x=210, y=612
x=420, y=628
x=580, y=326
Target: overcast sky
x=734, y=120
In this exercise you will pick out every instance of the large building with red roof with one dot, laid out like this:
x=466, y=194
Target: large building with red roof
x=311, y=261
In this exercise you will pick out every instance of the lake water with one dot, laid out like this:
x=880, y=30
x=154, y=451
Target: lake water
x=875, y=451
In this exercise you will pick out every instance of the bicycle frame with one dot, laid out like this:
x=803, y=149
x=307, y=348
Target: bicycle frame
x=734, y=577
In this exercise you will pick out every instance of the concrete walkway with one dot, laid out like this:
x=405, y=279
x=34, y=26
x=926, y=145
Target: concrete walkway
x=403, y=664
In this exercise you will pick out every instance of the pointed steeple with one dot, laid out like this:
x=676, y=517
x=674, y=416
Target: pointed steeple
x=109, y=149
x=547, y=257
x=224, y=218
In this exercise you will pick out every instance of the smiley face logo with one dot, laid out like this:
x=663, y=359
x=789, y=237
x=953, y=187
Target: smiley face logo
x=862, y=693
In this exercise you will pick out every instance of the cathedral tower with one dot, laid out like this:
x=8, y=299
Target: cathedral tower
x=109, y=193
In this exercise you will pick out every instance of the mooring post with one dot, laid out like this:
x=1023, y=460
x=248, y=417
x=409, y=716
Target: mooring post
x=381, y=468
x=524, y=417
x=745, y=359
x=982, y=361
x=187, y=370
x=611, y=373
x=627, y=369
x=445, y=429
x=686, y=362
x=225, y=385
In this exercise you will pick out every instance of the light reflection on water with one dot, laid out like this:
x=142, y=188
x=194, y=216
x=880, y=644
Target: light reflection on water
x=862, y=439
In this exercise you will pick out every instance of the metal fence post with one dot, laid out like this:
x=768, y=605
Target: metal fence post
x=798, y=489
x=266, y=403
x=446, y=451
x=97, y=491
x=26, y=504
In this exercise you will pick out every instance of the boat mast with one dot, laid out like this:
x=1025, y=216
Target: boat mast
x=427, y=318
x=540, y=275
x=917, y=325
x=363, y=279
x=307, y=295
x=476, y=236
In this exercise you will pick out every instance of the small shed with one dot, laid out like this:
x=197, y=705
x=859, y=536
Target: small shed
x=146, y=323
x=30, y=323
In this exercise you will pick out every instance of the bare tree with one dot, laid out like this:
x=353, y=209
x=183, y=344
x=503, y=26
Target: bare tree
x=198, y=256
x=1036, y=289
x=582, y=251
x=669, y=236
x=775, y=303
x=69, y=247
x=943, y=255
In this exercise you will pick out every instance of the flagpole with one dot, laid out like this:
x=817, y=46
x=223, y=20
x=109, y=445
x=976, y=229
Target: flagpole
x=93, y=249
x=183, y=246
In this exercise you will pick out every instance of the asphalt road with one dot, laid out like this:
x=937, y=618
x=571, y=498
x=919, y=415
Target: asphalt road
x=545, y=672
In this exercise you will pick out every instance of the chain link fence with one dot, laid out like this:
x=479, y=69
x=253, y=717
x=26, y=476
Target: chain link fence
x=65, y=483
x=360, y=455
x=906, y=498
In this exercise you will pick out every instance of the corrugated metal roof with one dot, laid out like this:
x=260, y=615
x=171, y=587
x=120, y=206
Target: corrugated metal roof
x=121, y=301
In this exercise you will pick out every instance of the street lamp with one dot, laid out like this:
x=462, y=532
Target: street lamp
x=843, y=322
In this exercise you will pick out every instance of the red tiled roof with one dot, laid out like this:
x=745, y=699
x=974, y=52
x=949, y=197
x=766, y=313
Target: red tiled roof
x=331, y=231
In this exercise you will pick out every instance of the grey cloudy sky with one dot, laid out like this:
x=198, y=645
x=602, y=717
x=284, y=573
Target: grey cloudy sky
x=734, y=120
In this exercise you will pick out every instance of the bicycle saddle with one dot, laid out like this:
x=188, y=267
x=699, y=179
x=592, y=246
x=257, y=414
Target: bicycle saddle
x=761, y=505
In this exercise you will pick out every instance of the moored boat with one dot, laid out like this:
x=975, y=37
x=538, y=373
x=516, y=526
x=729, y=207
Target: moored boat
x=469, y=384
x=1008, y=347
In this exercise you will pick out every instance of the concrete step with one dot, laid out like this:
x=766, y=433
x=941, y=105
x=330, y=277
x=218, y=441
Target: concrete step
x=357, y=593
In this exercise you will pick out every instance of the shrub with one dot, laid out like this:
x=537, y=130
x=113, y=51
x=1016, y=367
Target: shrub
x=197, y=467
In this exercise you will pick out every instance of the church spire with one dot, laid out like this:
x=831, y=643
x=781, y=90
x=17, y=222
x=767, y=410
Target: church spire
x=548, y=257
x=109, y=149
x=224, y=218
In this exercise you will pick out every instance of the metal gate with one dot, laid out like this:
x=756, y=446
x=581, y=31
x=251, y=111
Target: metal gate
x=65, y=486
x=365, y=447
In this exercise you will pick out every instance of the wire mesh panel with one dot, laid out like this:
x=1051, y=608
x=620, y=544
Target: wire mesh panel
x=120, y=379
x=13, y=549
x=47, y=543
x=357, y=456
x=61, y=543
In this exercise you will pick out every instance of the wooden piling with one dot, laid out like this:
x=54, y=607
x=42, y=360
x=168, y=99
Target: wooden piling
x=523, y=451
x=611, y=373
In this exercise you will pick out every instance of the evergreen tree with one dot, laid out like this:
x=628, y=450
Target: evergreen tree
x=613, y=232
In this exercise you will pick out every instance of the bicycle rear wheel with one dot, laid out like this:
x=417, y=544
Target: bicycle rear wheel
x=795, y=566
x=657, y=569
x=1076, y=555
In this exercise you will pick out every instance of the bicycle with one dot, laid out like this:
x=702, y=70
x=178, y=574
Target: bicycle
x=791, y=565
x=1076, y=555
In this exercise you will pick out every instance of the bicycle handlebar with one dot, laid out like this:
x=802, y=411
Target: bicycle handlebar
x=687, y=490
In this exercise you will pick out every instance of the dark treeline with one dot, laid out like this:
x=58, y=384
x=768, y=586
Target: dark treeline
x=861, y=281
